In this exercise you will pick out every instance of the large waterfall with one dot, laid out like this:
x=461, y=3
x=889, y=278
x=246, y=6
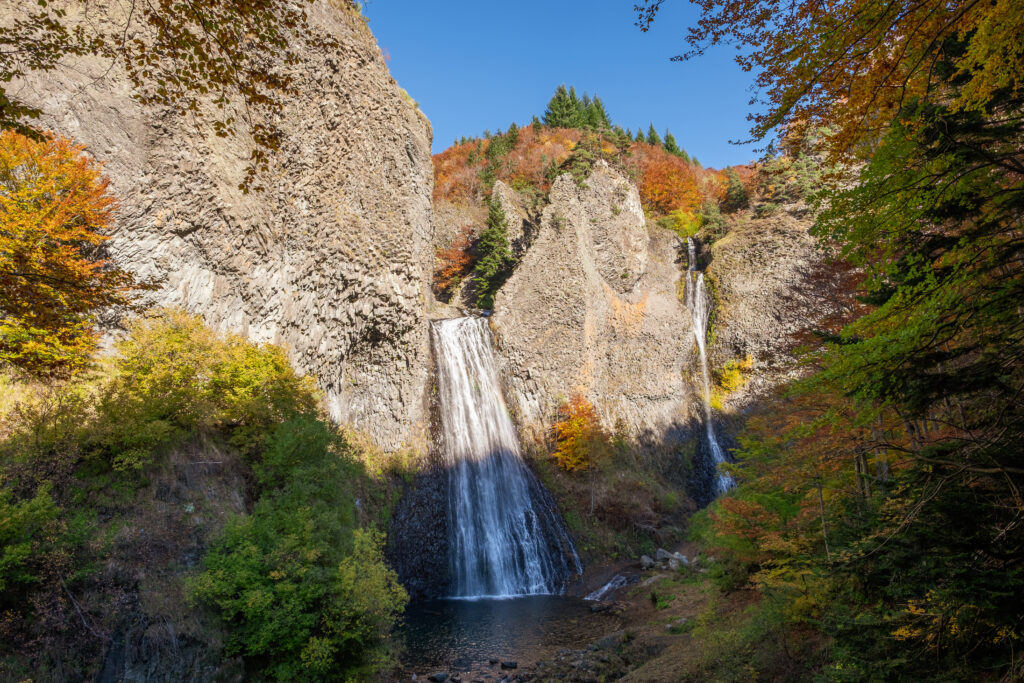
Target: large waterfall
x=697, y=302
x=506, y=538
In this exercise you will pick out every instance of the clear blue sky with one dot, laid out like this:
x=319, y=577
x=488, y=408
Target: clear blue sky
x=481, y=65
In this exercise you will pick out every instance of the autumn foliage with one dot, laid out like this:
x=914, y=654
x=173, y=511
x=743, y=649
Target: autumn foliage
x=580, y=440
x=56, y=211
x=454, y=262
x=667, y=182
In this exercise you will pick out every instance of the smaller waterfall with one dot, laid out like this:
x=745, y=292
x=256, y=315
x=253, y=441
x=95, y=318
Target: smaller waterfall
x=697, y=302
x=506, y=537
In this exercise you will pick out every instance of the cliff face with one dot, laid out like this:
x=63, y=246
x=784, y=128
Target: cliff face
x=593, y=308
x=331, y=260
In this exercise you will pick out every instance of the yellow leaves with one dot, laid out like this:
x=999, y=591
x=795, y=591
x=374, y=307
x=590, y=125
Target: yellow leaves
x=994, y=59
x=579, y=437
x=56, y=211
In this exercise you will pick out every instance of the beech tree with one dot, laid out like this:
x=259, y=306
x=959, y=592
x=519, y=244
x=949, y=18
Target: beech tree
x=849, y=66
x=55, y=213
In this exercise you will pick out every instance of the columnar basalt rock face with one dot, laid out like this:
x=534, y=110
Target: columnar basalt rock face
x=593, y=308
x=772, y=285
x=332, y=259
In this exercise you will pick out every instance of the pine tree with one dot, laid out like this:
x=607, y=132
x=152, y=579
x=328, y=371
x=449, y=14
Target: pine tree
x=535, y=122
x=670, y=143
x=640, y=135
x=512, y=135
x=495, y=263
x=652, y=136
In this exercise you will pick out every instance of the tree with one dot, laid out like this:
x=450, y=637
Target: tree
x=735, y=192
x=596, y=116
x=563, y=110
x=652, y=136
x=850, y=66
x=495, y=258
x=182, y=56
x=56, y=212
x=580, y=440
x=671, y=146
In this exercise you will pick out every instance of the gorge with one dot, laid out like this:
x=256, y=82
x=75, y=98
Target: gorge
x=289, y=393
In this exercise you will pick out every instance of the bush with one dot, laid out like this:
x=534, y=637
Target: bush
x=175, y=376
x=304, y=593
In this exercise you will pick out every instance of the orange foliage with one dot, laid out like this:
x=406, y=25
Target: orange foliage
x=56, y=212
x=667, y=182
x=579, y=437
x=454, y=263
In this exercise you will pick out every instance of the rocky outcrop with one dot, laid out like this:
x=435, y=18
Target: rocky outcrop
x=772, y=284
x=331, y=260
x=593, y=308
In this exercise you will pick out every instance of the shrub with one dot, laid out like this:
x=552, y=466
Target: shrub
x=303, y=592
x=580, y=440
x=174, y=376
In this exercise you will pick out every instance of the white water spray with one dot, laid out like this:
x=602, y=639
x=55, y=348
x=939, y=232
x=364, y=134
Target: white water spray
x=697, y=302
x=505, y=537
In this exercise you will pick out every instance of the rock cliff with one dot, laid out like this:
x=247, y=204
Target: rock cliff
x=331, y=260
x=593, y=308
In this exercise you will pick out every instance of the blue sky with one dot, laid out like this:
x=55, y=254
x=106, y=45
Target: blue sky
x=481, y=65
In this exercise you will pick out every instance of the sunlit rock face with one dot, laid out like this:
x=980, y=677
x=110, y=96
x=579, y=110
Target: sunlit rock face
x=331, y=260
x=593, y=309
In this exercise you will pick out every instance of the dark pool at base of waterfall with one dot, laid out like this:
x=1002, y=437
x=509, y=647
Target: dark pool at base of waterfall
x=465, y=635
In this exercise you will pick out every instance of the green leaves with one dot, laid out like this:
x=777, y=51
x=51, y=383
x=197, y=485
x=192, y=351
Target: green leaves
x=298, y=585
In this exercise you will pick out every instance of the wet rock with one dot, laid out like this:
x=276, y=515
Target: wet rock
x=438, y=677
x=510, y=665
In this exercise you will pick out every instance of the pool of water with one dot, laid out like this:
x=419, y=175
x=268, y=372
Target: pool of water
x=464, y=635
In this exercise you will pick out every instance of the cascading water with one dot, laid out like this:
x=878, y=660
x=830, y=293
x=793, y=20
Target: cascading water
x=697, y=302
x=505, y=537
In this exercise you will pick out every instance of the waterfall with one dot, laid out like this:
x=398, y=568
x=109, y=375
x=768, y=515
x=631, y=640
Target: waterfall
x=505, y=537
x=697, y=302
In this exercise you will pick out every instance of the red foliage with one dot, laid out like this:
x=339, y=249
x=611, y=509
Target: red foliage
x=455, y=262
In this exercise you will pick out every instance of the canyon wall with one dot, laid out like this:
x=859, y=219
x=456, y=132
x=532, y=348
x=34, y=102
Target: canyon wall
x=330, y=260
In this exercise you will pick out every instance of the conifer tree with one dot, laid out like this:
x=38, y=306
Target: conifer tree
x=652, y=136
x=640, y=135
x=597, y=116
x=563, y=109
x=671, y=146
x=535, y=122
x=495, y=263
